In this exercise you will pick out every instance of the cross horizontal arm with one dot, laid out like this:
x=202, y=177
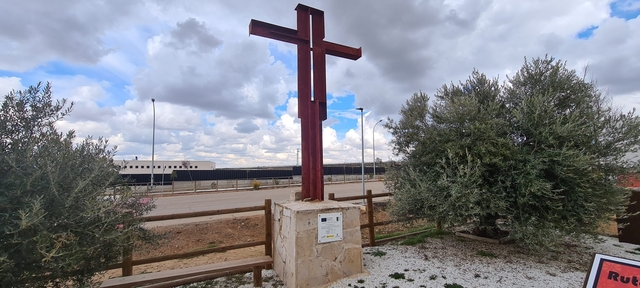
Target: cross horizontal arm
x=343, y=51
x=276, y=32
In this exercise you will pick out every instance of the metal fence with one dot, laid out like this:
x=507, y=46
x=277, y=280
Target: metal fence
x=244, y=184
x=218, y=175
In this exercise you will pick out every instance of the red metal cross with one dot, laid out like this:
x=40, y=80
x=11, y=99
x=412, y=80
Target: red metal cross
x=310, y=111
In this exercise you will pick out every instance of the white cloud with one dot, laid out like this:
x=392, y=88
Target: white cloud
x=217, y=88
x=68, y=31
x=8, y=84
x=234, y=79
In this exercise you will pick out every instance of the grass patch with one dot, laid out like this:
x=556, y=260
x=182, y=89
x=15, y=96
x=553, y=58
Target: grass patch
x=420, y=238
x=433, y=277
x=412, y=230
x=209, y=245
x=378, y=253
x=453, y=285
x=397, y=275
x=360, y=281
x=486, y=254
x=635, y=252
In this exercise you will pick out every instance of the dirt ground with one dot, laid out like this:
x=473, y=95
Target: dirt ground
x=194, y=236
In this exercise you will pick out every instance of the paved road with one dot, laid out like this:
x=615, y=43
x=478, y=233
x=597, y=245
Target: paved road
x=224, y=200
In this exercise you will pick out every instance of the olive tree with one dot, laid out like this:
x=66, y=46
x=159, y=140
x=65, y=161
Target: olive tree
x=58, y=227
x=538, y=154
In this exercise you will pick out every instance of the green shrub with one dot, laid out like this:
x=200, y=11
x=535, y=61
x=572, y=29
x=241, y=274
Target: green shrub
x=435, y=233
x=485, y=254
x=397, y=275
x=378, y=253
x=65, y=213
x=543, y=150
x=255, y=184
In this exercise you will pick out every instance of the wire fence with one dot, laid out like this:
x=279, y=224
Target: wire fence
x=246, y=184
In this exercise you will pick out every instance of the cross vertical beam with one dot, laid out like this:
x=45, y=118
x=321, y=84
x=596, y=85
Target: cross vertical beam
x=309, y=37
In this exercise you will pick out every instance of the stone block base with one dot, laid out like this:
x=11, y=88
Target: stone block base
x=299, y=260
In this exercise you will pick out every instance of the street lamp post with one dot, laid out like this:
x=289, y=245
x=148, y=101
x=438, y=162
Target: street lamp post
x=374, y=148
x=153, y=140
x=163, y=167
x=362, y=140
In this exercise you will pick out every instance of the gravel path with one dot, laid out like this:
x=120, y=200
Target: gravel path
x=476, y=264
x=468, y=263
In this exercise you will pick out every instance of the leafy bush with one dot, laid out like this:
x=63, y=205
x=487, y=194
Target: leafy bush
x=540, y=154
x=378, y=253
x=58, y=227
x=255, y=184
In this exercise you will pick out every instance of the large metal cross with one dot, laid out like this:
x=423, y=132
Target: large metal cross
x=311, y=110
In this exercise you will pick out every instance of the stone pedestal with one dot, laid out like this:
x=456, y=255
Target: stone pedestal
x=299, y=260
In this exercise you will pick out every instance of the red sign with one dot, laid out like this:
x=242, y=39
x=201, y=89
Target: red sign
x=613, y=272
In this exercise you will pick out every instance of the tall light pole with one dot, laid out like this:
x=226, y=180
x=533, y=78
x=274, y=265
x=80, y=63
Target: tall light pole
x=163, y=167
x=374, y=148
x=153, y=140
x=362, y=140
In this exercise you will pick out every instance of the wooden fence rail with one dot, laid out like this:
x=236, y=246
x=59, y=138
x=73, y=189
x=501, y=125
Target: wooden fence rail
x=128, y=262
x=371, y=224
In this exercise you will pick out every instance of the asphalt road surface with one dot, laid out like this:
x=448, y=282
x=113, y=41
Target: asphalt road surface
x=224, y=200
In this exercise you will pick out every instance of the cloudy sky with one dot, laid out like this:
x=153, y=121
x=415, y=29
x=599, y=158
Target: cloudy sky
x=224, y=96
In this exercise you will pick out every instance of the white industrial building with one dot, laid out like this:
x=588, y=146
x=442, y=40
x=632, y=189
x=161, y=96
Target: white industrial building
x=161, y=166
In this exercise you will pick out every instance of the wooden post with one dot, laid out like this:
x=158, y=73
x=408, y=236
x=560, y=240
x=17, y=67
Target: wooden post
x=173, y=186
x=372, y=232
x=127, y=258
x=257, y=276
x=127, y=252
x=217, y=185
x=332, y=196
x=268, y=239
x=195, y=184
x=236, y=184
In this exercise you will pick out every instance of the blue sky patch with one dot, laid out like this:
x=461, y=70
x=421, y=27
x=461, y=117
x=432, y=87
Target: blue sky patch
x=203, y=119
x=625, y=9
x=289, y=59
x=587, y=33
x=116, y=89
x=340, y=107
x=282, y=108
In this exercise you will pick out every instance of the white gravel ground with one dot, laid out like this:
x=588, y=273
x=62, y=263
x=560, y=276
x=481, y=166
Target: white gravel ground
x=451, y=260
